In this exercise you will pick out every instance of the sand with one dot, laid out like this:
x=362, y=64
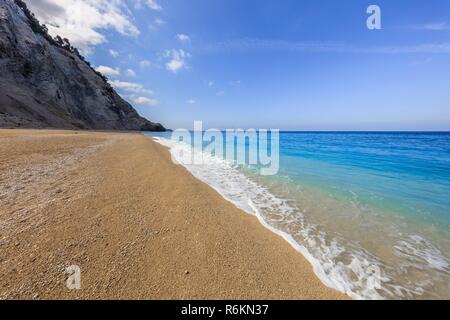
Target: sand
x=137, y=225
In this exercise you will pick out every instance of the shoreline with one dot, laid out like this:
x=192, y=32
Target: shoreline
x=253, y=210
x=138, y=226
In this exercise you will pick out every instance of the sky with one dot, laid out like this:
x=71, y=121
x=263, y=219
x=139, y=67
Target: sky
x=285, y=64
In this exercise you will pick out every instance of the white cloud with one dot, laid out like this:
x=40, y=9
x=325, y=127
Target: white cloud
x=249, y=44
x=437, y=26
x=220, y=93
x=210, y=84
x=130, y=73
x=148, y=64
x=145, y=64
x=183, y=37
x=191, y=101
x=159, y=21
x=129, y=86
x=175, y=65
x=83, y=22
x=146, y=101
x=113, y=53
x=108, y=71
x=152, y=4
x=177, y=60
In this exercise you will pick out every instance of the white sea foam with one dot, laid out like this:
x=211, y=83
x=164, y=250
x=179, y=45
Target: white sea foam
x=349, y=269
x=418, y=251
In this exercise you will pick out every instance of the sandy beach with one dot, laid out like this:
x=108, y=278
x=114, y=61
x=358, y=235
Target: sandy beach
x=138, y=226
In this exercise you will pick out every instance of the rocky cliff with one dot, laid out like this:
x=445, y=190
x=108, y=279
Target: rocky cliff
x=46, y=83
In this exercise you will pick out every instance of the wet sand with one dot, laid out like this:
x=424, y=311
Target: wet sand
x=137, y=225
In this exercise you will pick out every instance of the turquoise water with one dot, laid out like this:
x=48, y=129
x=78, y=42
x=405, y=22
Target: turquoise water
x=353, y=203
x=408, y=173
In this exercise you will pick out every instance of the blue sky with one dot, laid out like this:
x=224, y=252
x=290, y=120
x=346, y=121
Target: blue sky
x=288, y=64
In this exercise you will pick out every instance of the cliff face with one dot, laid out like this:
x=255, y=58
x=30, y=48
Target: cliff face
x=45, y=85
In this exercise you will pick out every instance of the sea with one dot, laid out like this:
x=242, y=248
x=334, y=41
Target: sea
x=369, y=210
